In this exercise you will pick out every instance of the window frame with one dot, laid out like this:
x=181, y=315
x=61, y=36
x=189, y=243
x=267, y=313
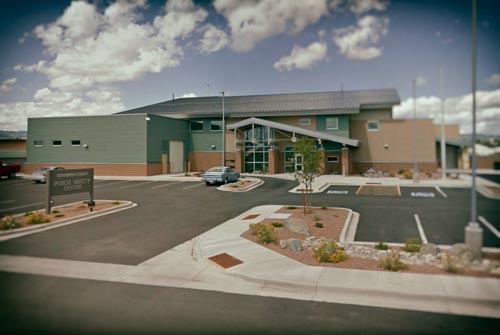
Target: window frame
x=372, y=121
x=197, y=122
x=76, y=145
x=216, y=130
x=336, y=122
x=38, y=145
x=57, y=145
x=308, y=123
x=329, y=161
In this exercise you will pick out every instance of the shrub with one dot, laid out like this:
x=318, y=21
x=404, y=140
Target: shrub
x=338, y=256
x=265, y=234
x=318, y=225
x=277, y=224
x=28, y=213
x=55, y=211
x=291, y=207
x=393, y=262
x=9, y=222
x=408, y=175
x=412, y=244
x=449, y=263
x=115, y=203
x=59, y=215
x=317, y=217
x=37, y=218
x=381, y=246
x=325, y=250
x=323, y=206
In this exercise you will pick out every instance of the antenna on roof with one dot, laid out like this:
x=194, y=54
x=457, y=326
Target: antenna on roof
x=173, y=96
x=342, y=89
x=208, y=90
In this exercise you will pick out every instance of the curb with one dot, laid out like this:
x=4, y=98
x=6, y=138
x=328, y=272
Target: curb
x=14, y=233
x=487, y=193
x=249, y=188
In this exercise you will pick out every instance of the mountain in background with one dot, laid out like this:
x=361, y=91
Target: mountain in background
x=10, y=134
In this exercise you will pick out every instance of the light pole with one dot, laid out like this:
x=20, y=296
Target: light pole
x=223, y=132
x=473, y=232
x=443, y=136
x=415, y=167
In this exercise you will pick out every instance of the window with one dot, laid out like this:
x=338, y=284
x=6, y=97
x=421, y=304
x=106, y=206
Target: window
x=56, y=143
x=332, y=159
x=75, y=143
x=305, y=121
x=38, y=143
x=196, y=125
x=332, y=123
x=372, y=125
x=256, y=149
x=215, y=125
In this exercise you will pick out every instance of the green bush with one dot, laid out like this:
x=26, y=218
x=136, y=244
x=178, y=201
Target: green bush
x=323, y=206
x=317, y=217
x=28, y=213
x=55, y=211
x=408, y=175
x=449, y=263
x=37, y=218
x=277, y=224
x=393, y=262
x=59, y=215
x=324, y=252
x=265, y=234
x=318, y=225
x=412, y=244
x=381, y=246
x=338, y=256
x=9, y=222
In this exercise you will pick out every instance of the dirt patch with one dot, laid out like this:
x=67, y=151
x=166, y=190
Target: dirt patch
x=59, y=213
x=378, y=190
x=240, y=185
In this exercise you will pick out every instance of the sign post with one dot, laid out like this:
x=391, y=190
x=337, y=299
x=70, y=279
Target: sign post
x=62, y=182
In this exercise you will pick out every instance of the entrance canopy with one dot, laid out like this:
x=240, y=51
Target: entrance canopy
x=296, y=130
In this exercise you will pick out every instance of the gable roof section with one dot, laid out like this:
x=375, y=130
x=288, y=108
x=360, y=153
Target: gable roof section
x=346, y=102
x=293, y=129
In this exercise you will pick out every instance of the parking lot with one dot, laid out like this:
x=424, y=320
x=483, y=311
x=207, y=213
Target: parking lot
x=169, y=213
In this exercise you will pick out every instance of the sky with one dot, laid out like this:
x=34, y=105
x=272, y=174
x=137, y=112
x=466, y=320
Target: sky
x=105, y=56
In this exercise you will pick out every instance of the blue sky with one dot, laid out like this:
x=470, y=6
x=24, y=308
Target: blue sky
x=100, y=57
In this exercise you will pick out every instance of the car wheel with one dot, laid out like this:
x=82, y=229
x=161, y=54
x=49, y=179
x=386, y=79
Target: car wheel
x=207, y=183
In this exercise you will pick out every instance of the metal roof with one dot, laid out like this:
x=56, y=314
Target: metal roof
x=293, y=129
x=344, y=102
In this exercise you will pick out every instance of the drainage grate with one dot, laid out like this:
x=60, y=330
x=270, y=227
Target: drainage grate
x=225, y=260
x=378, y=190
x=251, y=216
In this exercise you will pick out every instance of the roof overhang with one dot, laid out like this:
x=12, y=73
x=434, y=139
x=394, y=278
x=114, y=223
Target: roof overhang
x=293, y=129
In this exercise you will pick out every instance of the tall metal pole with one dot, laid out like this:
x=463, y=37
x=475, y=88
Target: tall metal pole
x=473, y=232
x=415, y=168
x=443, y=135
x=223, y=132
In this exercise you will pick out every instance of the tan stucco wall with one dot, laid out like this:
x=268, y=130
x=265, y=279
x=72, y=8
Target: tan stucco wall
x=204, y=160
x=13, y=145
x=452, y=131
x=104, y=169
x=487, y=162
x=373, y=114
x=398, y=135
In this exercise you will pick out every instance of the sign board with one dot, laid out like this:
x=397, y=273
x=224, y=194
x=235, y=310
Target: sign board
x=422, y=194
x=63, y=182
x=337, y=192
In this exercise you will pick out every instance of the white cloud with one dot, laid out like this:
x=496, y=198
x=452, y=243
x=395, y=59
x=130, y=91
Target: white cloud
x=255, y=20
x=360, y=7
x=7, y=85
x=23, y=38
x=458, y=110
x=213, y=40
x=302, y=58
x=359, y=42
x=420, y=80
x=189, y=95
x=88, y=47
x=49, y=103
x=494, y=79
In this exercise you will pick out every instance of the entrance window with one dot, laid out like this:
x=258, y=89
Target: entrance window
x=256, y=150
x=293, y=160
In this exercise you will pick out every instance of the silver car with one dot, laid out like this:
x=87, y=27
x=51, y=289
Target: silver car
x=41, y=175
x=220, y=175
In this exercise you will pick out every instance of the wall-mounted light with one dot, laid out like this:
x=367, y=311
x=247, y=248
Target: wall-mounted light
x=147, y=118
x=294, y=139
x=213, y=146
x=86, y=146
x=386, y=146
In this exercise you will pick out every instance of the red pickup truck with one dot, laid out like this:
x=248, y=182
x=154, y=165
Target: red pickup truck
x=9, y=170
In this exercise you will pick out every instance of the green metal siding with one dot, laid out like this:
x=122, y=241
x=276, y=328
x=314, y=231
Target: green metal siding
x=110, y=139
x=161, y=131
x=203, y=140
x=12, y=154
x=343, y=125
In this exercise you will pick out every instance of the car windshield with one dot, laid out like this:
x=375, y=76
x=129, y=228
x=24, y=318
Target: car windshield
x=215, y=170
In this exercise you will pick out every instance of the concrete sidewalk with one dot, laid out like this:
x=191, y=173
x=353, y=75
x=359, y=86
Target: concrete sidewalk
x=267, y=273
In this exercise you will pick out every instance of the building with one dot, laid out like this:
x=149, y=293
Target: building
x=455, y=146
x=354, y=130
x=13, y=151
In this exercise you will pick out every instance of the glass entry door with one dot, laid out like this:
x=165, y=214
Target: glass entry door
x=293, y=160
x=298, y=162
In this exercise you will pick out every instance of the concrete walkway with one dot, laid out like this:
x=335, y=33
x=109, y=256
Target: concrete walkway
x=267, y=273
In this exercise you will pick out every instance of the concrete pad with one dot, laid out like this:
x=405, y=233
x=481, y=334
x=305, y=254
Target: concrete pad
x=410, y=283
x=298, y=283
x=279, y=216
x=471, y=287
x=347, y=278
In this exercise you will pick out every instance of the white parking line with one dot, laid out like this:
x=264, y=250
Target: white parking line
x=489, y=226
x=137, y=184
x=23, y=206
x=185, y=188
x=420, y=230
x=441, y=192
x=22, y=181
x=7, y=202
x=112, y=183
x=165, y=185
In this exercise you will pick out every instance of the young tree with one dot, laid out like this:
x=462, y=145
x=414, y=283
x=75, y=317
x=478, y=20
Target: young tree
x=311, y=167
